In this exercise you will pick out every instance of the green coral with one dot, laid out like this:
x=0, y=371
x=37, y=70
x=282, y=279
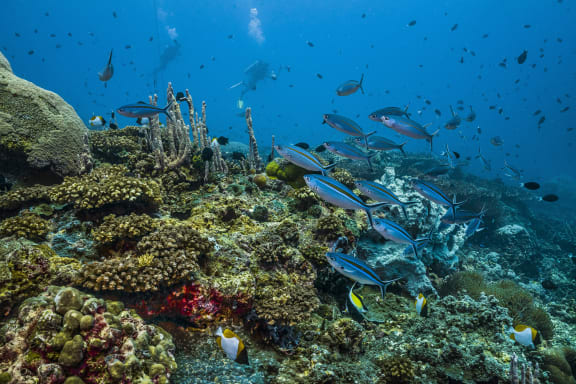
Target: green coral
x=175, y=249
x=395, y=369
x=131, y=227
x=27, y=225
x=24, y=197
x=288, y=172
x=105, y=186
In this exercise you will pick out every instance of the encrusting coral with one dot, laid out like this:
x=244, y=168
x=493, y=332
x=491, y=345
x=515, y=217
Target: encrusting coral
x=64, y=335
x=107, y=185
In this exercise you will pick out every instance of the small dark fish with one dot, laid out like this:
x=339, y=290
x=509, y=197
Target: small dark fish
x=223, y=140
x=485, y=35
x=319, y=76
x=428, y=102
x=569, y=129
x=113, y=126
x=471, y=116
x=549, y=198
x=180, y=96
x=492, y=107
x=238, y=156
x=542, y=120
x=501, y=111
x=310, y=44
x=461, y=59
x=437, y=112
x=363, y=15
x=537, y=113
x=230, y=36
x=16, y=34
x=52, y=35
x=320, y=148
x=207, y=154
x=304, y=145
x=412, y=23
x=527, y=26
x=201, y=66
x=522, y=58
x=531, y=185
x=128, y=46
x=31, y=52
x=151, y=38
x=496, y=141
x=564, y=109
x=454, y=27
x=114, y=15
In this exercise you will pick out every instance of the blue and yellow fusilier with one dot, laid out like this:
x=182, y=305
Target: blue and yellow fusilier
x=407, y=127
x=349, y=87
x=433, y=193
x=232, y=345
x=379, y=143
x=303, y=158
x=474, y=226
x=340, y=195
x=378, y=192
x=523, y=334
x=345, y=125
x=393, y=232
x=421, y=305
x=461, y=216
x=144, y=110
x=356, y=270
x=348, y=151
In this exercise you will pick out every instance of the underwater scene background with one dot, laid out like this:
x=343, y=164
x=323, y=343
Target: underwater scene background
x=287, y=192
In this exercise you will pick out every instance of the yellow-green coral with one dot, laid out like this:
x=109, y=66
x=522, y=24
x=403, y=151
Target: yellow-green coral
x=288, y=172
x=395, y=369
x=27, y=225
x=107, y=185
x=115, y=145
x=131, y=227
x=174, y=248
x=20, y=198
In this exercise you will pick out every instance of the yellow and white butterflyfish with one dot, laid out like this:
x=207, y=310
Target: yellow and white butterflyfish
x=523, y=334
x=421, y=305
x=232, y=345
x=97, y=121
x=357, y=301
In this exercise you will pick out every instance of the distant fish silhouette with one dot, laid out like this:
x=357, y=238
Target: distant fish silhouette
x=108, y=71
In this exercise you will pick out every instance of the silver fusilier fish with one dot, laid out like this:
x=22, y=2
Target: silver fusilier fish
x=349, y=87
x=461, y=216
x=409, y=128
x=388, y=111
x=379, y=143
x=108, y=71
x=139, y=110
x=303, y=158
x=474, y=226
x=357, y=270
x=378, y=192
x=346, y=125
x=512, y=172
x=454, y=122
x=348, y=151
x=340, y=195
x=434, y=194
x=485, y=163
x=394, y=232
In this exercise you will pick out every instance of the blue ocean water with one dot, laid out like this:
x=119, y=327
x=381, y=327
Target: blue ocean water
x=453, y=52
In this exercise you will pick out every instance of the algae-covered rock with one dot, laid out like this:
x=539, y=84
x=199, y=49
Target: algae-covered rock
x=72, y=353
x=38, y=129
x=73, y=380
x=68, y=299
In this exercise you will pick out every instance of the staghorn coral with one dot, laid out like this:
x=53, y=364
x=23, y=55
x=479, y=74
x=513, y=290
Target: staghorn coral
x=27, y=225
x=131, y=227
x=107, y=185
x=64, y=333
x=27, y=268
x=174, y=248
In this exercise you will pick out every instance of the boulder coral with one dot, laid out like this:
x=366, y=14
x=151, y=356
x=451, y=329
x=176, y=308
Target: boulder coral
x=39, y=131
x=65, y=335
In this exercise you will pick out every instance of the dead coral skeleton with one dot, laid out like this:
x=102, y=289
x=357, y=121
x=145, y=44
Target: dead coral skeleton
x=527, y=374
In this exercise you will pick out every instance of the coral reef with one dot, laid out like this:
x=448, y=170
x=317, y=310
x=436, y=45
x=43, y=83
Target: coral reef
x=17, y=199
x=51, y=136
x=28, y=225
x=105, y=186
x=163, y=258
x=115, y=228
x=64, y=335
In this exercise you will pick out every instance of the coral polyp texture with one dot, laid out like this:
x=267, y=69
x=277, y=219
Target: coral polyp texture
x=65, y=335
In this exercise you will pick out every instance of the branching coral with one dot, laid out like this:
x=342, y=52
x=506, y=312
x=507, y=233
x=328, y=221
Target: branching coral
x=24, y=197
x=27, y=225
x=396, y=369
x=174, y=248
x=116, y=146
x=105, y=186
x=131, y=227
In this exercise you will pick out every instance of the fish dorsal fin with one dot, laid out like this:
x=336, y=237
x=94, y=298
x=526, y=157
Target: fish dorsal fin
x=219, y=341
